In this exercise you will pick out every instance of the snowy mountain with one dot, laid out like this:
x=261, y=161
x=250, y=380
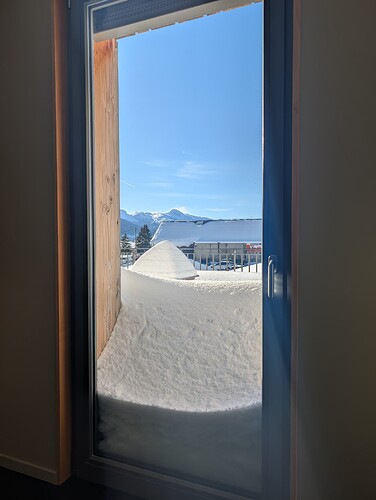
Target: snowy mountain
x=133, y=222
x=130, y=228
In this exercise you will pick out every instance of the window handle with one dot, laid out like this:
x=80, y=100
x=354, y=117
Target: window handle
x=272, y=269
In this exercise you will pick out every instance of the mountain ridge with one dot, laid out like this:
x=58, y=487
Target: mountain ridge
x=131, y=223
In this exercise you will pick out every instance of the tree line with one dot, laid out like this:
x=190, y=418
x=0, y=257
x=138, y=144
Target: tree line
x=142, y=240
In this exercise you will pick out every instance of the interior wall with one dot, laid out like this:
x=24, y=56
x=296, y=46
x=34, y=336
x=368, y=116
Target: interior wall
x=28, y=309
x=337, y=239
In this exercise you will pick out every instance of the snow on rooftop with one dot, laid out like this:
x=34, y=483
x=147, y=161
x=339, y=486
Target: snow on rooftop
x=185, y=233
x=166, y=261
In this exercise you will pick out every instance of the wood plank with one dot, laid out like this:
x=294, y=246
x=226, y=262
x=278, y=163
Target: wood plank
x=63, y=466
x=107, y=200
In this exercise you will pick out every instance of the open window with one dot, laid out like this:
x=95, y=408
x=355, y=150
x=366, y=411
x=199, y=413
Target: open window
x=115, y=437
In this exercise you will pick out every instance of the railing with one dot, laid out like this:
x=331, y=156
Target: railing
x=127, y=259
x=208, y=261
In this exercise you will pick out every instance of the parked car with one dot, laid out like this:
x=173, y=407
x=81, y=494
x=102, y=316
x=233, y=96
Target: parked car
x=222, y=266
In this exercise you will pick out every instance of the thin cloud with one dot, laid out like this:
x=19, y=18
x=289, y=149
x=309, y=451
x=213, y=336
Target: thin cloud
x=160, y=184
x=217, y=209
x=157, y=163
x=174, y=194
x=191, y=170
x=186, y=170
x=183, y=209
x=196, y=196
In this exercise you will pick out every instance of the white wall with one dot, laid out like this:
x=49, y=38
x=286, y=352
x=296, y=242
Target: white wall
x=27, y=248
x=337, y=243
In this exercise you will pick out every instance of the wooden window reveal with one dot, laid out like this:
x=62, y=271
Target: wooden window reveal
x=106, y=185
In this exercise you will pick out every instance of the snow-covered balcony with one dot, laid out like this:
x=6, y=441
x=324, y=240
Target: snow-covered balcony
x=179, y=382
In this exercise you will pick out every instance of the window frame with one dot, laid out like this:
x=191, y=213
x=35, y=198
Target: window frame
x=278, y=27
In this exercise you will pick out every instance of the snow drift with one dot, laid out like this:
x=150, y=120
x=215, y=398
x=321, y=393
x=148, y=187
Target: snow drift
x=191, y=346
x=179, y=382
x=166, y=261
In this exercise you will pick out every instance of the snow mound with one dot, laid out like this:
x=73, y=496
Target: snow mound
x=166, y=261
x=185, y=345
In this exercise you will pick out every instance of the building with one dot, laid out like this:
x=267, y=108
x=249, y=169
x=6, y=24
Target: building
x=212, y=236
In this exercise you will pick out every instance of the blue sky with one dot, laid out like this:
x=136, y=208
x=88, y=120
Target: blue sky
x=190, y=99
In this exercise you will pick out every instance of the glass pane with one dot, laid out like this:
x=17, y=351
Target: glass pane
x=178, y=203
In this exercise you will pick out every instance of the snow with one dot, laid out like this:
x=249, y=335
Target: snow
x=153, y=219
x=128, y=217
x=179, y=382
x=185, y=233
x=191, y=346
x=166, y=261
x=230, y=275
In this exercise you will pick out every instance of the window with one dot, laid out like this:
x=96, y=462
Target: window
x=106, y=20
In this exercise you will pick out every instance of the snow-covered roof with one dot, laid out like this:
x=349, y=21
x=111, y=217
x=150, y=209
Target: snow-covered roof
x=185, y=233
x=166, y=261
